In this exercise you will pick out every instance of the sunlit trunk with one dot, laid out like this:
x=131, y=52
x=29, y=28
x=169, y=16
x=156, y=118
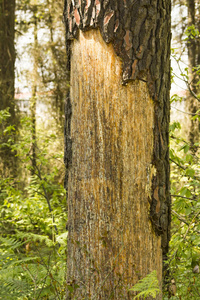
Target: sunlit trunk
x=116, y=157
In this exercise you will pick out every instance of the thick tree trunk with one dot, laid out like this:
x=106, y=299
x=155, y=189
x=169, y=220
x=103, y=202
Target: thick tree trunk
x=7, y=61
x=116, y=156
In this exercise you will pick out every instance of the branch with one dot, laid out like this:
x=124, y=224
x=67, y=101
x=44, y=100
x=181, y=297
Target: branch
x=38, y=174
x=191, y=224
x=191, y=91
x=179, y=217
x=191, y=199
x=184, y=168
x=188, y=84
x=177, y=164
x=192, y=114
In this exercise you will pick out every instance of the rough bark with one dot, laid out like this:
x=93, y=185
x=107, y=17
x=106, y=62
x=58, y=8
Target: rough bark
x=7, y=60
x=116, y=150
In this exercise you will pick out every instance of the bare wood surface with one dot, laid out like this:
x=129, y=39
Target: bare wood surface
x=111, y=242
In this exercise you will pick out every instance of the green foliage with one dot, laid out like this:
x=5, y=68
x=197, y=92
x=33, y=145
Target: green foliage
x=146, y=287
x=4, y=115
x=185, y=190
x=33, y=212
x=184, y=255
x=176, y=98
x=32, y=220
x=192, y=32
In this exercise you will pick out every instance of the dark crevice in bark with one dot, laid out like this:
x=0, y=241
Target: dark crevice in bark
x=68, y=141
x=67, y=127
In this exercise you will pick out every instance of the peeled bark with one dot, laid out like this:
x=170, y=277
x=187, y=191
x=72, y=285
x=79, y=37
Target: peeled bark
x=116, y=151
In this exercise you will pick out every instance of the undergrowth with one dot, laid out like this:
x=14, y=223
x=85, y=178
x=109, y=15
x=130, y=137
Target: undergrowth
x=32, y=220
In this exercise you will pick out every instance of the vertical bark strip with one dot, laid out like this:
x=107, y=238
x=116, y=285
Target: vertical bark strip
x=116, y=150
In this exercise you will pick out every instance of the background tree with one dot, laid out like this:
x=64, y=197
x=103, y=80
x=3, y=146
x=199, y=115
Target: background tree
x=33, y=210
x=116, y=151
x=184, y=155
x=7, y=77
x=193, y=46
x=49, y=55
x=186, y=37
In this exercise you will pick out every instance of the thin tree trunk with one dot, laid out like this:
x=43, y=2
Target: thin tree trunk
x=33, y=128
x=59, y=97
x=33, y=103
x=193, y=47
x=116, y=151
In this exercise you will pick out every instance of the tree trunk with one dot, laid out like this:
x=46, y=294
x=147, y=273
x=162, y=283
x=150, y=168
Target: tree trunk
x=193, y=46
x=7, y=61
x=58, y=104
x=33, y=101
x=116, y=152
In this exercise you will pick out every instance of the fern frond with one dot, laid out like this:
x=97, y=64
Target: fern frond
x=148, y=286
x=11, y=243
x=29, y=236
x=14, y=288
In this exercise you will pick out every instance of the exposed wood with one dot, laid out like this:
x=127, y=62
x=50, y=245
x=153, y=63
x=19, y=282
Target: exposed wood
x=109, y=183
x=116, y=144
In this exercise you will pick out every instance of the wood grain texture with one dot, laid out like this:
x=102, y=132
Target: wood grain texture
x=140, y=34
x=110, y=171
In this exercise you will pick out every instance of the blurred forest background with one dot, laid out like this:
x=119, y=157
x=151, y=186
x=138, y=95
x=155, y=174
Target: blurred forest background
x=33, y=87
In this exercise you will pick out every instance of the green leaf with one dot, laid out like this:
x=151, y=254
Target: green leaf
x=70, y=288
x=186, y=148
x=190, y=172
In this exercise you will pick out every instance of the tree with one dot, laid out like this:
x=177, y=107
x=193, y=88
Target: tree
x=193, y=46
x=47, y=56
x=184, y=155
x=33, y=101
x=116, y=151
x=187, y=42
x=7, y=76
